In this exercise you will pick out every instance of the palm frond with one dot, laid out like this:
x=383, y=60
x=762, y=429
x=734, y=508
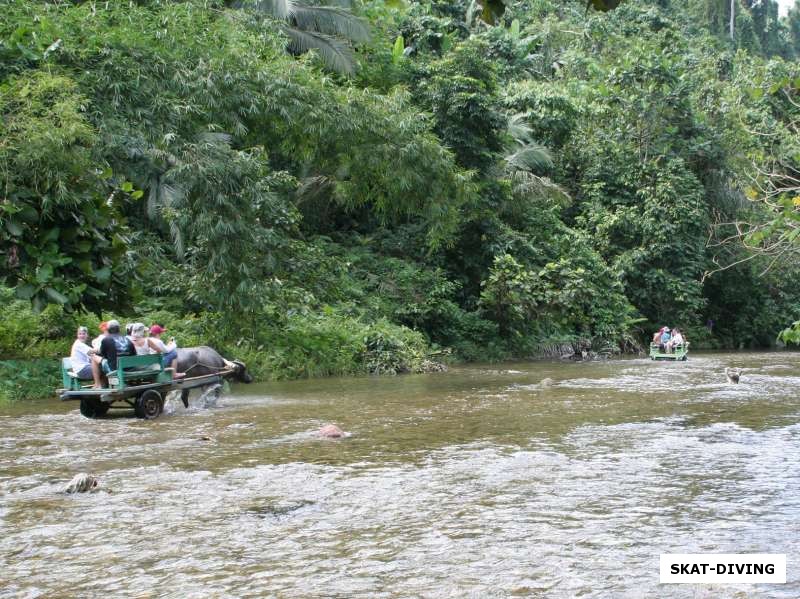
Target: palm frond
x=531, y=157
x=342, y=3
x=280, y=9
x=152, y=198
x=519, y=129
x=332, y=20
x=473, y=9
x=531, y=186
x=336, y=55
x=177, y=239
x=170, y=194
x=312, y=188
x=215, y=137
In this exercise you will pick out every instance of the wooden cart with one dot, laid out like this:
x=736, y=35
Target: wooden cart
x=678, y=353
x=140, y=382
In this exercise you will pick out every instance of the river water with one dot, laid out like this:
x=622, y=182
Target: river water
x=486, y=481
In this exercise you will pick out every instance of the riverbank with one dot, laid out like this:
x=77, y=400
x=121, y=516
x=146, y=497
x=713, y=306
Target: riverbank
x=285, y=343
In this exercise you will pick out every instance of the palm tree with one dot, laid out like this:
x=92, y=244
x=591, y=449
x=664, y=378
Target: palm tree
x=330, y=30
x=524, y=158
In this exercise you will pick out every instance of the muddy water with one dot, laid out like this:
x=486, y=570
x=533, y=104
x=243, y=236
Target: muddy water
x=481, y=482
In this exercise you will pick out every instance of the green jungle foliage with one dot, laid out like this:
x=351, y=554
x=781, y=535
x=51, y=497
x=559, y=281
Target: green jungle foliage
x=411, y=180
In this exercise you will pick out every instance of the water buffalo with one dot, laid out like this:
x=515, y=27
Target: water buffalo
x=202, y=360
x=81, y=483
x=331, y=431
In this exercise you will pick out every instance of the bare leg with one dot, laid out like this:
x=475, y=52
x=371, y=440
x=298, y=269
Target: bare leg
x=175, y=373
x=98, y=380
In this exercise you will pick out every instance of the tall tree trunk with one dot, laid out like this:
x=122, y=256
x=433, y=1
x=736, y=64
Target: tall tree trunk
x=733, y=14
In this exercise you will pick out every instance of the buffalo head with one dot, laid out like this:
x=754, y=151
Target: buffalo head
x=240, y=372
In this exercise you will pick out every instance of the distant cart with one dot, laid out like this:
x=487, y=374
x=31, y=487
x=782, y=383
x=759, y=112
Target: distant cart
x=140, y=382
x=678, y=354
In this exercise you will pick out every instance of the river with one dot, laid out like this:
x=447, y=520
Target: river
x=485, y=481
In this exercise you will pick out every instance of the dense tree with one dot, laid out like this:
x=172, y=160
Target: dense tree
x=496, y=176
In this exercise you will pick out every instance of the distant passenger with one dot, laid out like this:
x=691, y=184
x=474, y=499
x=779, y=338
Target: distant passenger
x=657, y=335
x=677, y=340
x=663, y=344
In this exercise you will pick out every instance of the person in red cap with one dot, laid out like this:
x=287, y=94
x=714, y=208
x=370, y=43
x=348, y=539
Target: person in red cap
x=103, y=332
x=168, y=351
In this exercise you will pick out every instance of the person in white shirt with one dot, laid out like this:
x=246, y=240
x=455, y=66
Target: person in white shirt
x=81, y=356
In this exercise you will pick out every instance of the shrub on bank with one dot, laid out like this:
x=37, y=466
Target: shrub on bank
x=331, y=345
x=28, y=379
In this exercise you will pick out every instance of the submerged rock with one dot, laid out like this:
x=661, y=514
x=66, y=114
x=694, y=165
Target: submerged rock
x=279, y=509
x=431, y=366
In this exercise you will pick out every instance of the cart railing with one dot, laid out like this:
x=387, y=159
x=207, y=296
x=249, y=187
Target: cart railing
x=130, y=369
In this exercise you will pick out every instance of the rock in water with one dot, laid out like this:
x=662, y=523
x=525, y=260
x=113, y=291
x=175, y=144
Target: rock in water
x=331, y=431
x=428, y=366
x=81, y=483
x=733, y=375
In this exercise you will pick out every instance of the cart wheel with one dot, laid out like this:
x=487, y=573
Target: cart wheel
x=91, y=407
x=149, y=405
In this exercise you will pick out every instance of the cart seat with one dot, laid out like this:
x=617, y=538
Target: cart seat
x=138, y=370
x=70, y=378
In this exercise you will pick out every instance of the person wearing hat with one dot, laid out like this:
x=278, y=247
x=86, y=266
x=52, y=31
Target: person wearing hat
x=143, y=345
x=168, y=351
x=103, y=332
x=111, y=347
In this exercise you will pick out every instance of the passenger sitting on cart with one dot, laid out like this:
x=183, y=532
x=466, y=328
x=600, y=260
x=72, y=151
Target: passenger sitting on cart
x=169, y=351
x=81, y=357
x=676, y=340
x=664, y=342
x=97, y=340
x=144, y=346
x=113, y=346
